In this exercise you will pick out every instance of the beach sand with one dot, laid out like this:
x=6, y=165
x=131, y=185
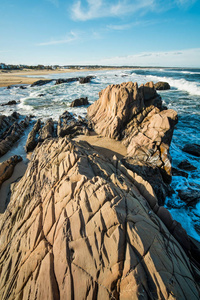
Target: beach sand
x=15, y=77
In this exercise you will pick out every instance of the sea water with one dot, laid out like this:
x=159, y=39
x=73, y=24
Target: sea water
x=50, y=101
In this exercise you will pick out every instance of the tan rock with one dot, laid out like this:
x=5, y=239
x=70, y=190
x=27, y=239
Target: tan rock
x=80, y=226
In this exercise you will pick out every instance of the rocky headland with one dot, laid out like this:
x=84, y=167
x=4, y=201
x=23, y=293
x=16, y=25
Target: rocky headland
x=84, y=225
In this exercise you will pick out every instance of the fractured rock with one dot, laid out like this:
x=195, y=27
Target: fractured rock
x=161, y=85
x=81, y=226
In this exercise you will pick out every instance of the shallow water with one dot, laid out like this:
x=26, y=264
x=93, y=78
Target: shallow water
x=184, y=96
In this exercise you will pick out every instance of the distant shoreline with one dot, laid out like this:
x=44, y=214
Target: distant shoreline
x=19, y=77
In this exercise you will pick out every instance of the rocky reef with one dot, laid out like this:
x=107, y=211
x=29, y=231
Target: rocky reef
x=80, y=225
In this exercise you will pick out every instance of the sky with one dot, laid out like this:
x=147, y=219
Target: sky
x=102, y=32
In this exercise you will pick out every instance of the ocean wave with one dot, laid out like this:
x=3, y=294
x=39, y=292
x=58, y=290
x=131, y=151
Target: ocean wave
x=192, y=88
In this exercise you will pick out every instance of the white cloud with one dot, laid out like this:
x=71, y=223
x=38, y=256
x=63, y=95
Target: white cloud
x=102, y=8
x=69, y=38
x=180, y=58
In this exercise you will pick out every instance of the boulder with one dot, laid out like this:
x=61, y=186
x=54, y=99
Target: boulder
x=177, y=172
x=7, y=168
x=80, y=226
x=193, y=149
x=85, y=79
x=79, y=102
x=186, y=165
x=190, y=196
x=160, y=85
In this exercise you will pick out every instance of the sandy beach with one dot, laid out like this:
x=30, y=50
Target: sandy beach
x=14, y=77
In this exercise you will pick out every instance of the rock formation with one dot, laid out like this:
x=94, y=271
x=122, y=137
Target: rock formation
x=193, y=149
x=80, y=226
x=11, y=129
x=135, y=115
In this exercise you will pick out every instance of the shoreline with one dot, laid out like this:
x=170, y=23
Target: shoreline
x=18, y=77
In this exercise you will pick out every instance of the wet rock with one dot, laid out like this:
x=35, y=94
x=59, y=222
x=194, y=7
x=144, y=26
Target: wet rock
x=32, y=139
x=160, y=85
x=85, y=79
x=41, y=82
x=77, y=219
x=47, y=131
x=7, y=168
x=68, y=125
x=190, y=196
x=79, y=102
x=177, y=172
x=193, y=149
x=66, y=80
x=11, y=129
x=12, y=102
x=186, y=165
x=22, y=87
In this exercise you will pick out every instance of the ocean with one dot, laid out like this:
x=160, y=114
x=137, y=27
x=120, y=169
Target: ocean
x=50, y=101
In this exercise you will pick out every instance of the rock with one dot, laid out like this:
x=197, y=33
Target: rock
x=47, y=131
x=22, y=87
x=193, y=149
x=66, y=80
x=134, y=115
x=190, y=196
x=85, y=79
x=160, y=85
x=186, y=165
x=12, y=102
x=9, y=87
x=79, y=102
x=7, y=168
x=68, y=125
x=41, y=82
x=80, y=226
x=11, y=129
x=176, y=172
x=32, y=139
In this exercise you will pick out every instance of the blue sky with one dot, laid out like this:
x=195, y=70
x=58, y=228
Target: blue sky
x=115, y=32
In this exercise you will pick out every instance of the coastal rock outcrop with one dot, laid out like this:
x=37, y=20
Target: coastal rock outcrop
x=81, y=226
x=41, y=82
x=135, y=115
x=11, y=129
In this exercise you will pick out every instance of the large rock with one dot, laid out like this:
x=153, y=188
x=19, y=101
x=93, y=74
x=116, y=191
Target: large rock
x=136, y=116
x=41, y=82
x=80, y=226
x=32, y=139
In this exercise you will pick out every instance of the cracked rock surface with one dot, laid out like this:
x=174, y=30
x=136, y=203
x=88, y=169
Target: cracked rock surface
x=79, y=226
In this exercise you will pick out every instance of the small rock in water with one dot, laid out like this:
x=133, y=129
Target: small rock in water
x=160, y=85
x=12, y=102
x=193, y=149
x=190, y=196
x=79, y=102
x=186, y=165
x=176, y=172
